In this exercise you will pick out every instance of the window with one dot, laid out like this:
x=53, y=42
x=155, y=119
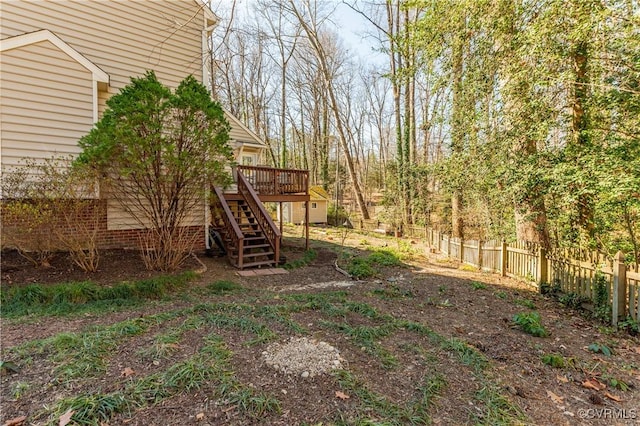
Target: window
x=314, y=205
x=247, y=160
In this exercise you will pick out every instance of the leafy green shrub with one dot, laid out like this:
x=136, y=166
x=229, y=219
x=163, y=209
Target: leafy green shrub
x=526, y=303
x=363, y=267
x=551, y=289
x=554, y=360
x=602, y=308
x=143, y=131
x=360, y=268
x=529, y=322
x=618, y=384
x=573, y=300
x=384, y=258
x=631, y=325
x=477, y=285
x=598, y=348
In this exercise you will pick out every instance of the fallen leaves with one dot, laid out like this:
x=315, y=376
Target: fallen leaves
x=342, y=395
x=562, y=379
x=126, y=372
x=200, y=416
x=612, y=397
x=65, y=418
x=17, y=421
x=555, y=398
x=593, y=384
x=598, y=386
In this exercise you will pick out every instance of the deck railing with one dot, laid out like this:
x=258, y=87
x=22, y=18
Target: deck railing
x=230, y=227
x=271, y=232
x=270, y=181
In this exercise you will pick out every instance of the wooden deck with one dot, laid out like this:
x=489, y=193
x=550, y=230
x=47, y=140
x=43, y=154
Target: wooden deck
x=273, y=184
x=249, y=234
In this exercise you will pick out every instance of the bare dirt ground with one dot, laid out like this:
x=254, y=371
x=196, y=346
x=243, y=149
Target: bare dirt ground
x=424, y=342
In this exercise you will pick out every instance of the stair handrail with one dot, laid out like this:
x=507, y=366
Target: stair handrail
x=261, y=215
x=230, y=224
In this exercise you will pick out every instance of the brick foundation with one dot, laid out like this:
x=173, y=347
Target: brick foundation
x=93, y=214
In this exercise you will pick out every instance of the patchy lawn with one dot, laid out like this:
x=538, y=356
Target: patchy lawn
x=414, y=341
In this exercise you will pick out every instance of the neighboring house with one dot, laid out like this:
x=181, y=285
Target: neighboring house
x=294, y=212
x=62, y=60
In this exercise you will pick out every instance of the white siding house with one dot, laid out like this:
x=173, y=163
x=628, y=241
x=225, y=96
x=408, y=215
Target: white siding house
x=61, y=60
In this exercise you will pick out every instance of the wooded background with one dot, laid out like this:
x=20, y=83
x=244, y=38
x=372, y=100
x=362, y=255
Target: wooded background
x=486, y=119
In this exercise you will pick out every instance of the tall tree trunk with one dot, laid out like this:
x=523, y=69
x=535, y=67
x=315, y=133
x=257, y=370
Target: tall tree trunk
x=519, y=98
x=283, y=122
x=580, y=126
x=395, y=63
x=324, y=152
x=457, y=130
x=409, y=122
x=334, y=105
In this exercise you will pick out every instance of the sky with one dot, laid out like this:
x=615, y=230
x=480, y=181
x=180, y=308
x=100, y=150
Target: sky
x=355, y=31
x=353, y=28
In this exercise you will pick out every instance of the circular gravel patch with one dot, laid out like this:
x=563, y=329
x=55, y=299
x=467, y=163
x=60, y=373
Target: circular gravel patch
x=303, y=357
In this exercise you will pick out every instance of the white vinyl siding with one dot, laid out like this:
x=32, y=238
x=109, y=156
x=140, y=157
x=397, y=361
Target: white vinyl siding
x=45, y=106
x=293, y=212
x=239, y=134
x=120, y=219
x=125, y=38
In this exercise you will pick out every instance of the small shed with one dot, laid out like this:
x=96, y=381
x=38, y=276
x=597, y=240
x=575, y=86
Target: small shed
x=293, y=212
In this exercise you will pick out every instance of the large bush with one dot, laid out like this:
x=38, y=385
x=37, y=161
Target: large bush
x=159, y=152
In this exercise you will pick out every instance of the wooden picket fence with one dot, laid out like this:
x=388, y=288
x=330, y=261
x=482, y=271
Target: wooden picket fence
x=573, y=270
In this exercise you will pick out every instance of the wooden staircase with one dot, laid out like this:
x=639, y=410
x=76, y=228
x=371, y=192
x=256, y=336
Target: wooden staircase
x=248, y=232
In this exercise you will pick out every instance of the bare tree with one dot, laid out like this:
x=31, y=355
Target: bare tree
x=308, y=19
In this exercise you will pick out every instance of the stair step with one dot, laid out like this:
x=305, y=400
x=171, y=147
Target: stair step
x=260, y=263
x=253, y=246
x=234, y=255
x=260, y=253
x=240, y=214
x=254, y=238
x=252, y=233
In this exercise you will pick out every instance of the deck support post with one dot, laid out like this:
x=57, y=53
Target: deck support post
x=306, y=224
